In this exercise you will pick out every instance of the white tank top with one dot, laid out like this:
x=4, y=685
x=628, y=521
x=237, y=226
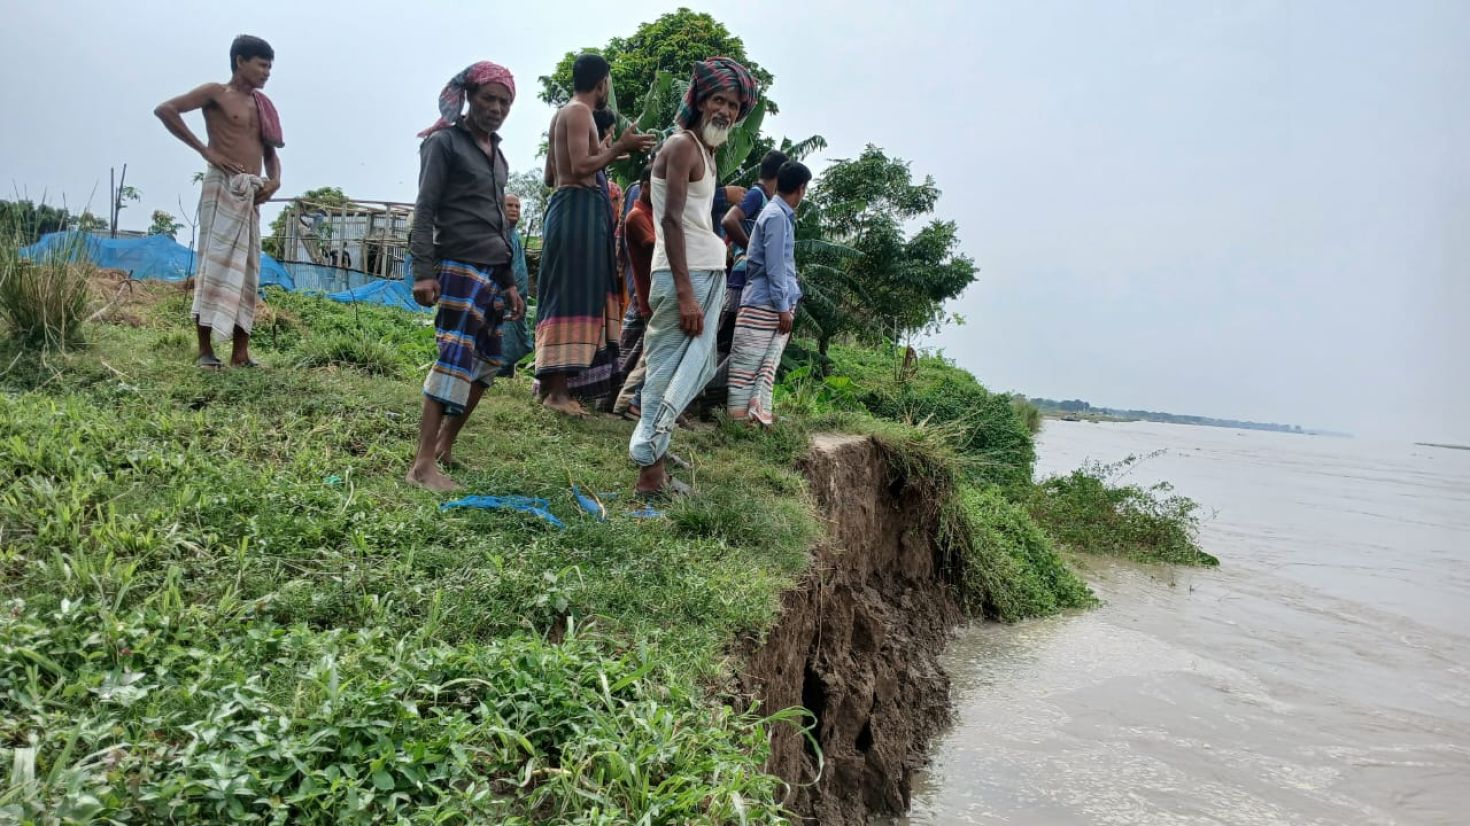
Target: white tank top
x=703, y=248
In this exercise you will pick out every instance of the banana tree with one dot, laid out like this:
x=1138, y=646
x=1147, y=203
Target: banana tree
x=794, y=150
x=827, y=281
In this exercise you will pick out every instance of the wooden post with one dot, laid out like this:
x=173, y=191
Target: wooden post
x=122, y=181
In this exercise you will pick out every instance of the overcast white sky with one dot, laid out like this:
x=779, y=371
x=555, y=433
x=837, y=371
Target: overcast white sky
x=1244, y=209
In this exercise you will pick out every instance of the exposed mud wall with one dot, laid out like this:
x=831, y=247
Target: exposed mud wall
x=858, y=642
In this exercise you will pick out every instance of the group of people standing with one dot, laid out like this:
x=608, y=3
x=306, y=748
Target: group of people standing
x=636, y=302
x=630, y=296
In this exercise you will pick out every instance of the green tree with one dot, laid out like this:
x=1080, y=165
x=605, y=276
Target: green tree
x=164, y=224
x=87, y=222
x=24, y=222
x=650, y=71
x=325, y=196
x=896, y=284
x=672, y=43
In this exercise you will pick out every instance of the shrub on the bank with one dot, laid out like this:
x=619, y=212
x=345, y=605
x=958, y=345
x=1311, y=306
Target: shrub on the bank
x=1087, y=510
x=43, y=303
x=1028, y=413
x=1010, y=570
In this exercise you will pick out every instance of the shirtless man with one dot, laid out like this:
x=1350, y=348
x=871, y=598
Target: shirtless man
x=244, y=134
x=578, y=294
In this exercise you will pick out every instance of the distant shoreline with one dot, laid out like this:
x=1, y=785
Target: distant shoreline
x=1443, y=445
x=1082, y=411
x=1113, y=418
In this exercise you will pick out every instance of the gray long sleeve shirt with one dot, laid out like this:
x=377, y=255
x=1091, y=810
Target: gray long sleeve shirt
x=460, y=211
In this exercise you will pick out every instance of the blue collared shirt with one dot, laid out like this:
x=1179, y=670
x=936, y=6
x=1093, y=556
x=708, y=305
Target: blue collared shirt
x=771, y=263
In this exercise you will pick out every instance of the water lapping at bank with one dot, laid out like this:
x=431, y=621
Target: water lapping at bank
x=1319, y=676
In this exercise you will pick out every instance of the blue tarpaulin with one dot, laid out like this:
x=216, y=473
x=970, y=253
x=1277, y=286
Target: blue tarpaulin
x=391, y=292
x=160, y=257
x=148, y=257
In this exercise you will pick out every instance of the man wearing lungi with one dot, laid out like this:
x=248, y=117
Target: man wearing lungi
x=577, y=295
x=638, y=239
x=688, y=278
x=768, y=303
x=461, y=247
x=244, y=134
x=515, y=340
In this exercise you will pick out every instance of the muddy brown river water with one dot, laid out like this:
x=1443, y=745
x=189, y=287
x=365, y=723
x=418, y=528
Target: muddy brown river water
x=1320, y=676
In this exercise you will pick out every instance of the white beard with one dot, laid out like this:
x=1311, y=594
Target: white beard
x=714, y=136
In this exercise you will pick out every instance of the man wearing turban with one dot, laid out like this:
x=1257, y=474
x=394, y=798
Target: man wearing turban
x=461, y=248
x=688, y=269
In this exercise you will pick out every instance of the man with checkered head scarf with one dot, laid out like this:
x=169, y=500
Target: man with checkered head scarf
x=688, y=270
x=461, y=248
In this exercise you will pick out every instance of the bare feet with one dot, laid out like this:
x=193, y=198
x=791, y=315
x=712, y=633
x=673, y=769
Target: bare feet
x=430, y=478
x=566, y=407
x=446, y=459
x=652, y=480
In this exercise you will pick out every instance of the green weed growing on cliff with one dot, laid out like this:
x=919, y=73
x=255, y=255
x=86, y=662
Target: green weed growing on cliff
x=1089, y=510
x=1003, y=564
x=1011, y=570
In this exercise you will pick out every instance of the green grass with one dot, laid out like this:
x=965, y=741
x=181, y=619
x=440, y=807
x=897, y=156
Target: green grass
x=218, y=601
x=991, y=435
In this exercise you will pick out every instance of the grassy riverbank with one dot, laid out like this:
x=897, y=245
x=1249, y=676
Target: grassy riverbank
x=218, y=601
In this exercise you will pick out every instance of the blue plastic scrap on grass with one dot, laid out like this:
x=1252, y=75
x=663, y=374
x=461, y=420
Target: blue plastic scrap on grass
x=525, y=504
x=590, y=504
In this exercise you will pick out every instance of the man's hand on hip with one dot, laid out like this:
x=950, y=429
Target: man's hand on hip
x=216, y=158
x=267, y=191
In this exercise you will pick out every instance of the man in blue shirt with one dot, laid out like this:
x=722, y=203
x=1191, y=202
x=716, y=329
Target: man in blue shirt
x=738, y=222
x=768, y=303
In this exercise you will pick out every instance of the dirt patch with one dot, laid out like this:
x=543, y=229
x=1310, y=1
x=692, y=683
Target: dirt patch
x=858, y=642
x=121, y=300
